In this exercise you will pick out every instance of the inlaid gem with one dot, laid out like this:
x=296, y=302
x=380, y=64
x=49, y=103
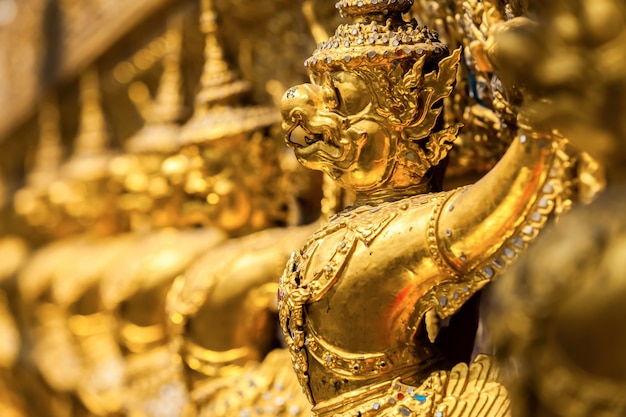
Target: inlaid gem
x=405, y=411
x=421, y=398
x=488, y=271
x=499, y=262
x=549, y=188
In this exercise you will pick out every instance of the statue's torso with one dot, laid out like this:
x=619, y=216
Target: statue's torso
x=362, y=284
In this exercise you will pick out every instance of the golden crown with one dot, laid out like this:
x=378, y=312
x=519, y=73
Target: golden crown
x=379, y=35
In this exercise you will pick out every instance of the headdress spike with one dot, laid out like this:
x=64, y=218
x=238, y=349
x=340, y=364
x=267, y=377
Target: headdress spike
x=49, y=153
x=218, y=114
x=92, y=136
x=160, y=132
x=218, y=82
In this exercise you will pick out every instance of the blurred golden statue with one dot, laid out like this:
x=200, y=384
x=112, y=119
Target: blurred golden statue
x=222, y=310
x=134, y=288
x=74, y=201
x=557, y=314
x=362, y=302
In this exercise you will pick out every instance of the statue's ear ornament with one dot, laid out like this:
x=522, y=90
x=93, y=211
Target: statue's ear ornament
x=413, y=107
x=413, y=104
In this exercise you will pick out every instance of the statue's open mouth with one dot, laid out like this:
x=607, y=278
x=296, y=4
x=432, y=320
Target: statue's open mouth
x=312, y=138
x=299, y=137
x=299, y=134
x=307, y=143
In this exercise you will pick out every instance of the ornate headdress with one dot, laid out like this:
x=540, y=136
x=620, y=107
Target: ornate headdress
x=215, y=115
x=378, y=36
x=91, y=156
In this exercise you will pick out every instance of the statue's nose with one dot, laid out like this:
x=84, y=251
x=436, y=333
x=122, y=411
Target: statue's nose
x=298, y=100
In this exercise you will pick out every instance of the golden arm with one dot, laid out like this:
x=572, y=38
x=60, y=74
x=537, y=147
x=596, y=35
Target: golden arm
x=475, y=223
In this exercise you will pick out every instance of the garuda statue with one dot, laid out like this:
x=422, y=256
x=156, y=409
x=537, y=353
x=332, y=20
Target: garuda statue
x=362, y=302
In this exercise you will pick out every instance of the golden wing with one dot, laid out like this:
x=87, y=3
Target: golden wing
x=474, y=391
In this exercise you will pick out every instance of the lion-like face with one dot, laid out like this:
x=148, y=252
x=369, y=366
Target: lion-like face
x=333, y=126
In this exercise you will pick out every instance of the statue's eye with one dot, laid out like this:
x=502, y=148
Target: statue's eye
x=330, y=97
x=352, y=93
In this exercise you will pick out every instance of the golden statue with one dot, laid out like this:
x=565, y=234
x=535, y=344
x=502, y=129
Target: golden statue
x=222, y=310
x=74, y=289
x=134, y=289
x=362, y=302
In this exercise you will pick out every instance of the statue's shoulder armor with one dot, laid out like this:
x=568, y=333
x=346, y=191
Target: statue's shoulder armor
x=326, y=253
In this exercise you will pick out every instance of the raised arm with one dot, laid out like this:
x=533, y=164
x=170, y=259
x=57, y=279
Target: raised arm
x=483, y=226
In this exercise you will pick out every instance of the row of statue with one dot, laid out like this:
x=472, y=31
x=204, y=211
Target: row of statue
x=201, y=271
